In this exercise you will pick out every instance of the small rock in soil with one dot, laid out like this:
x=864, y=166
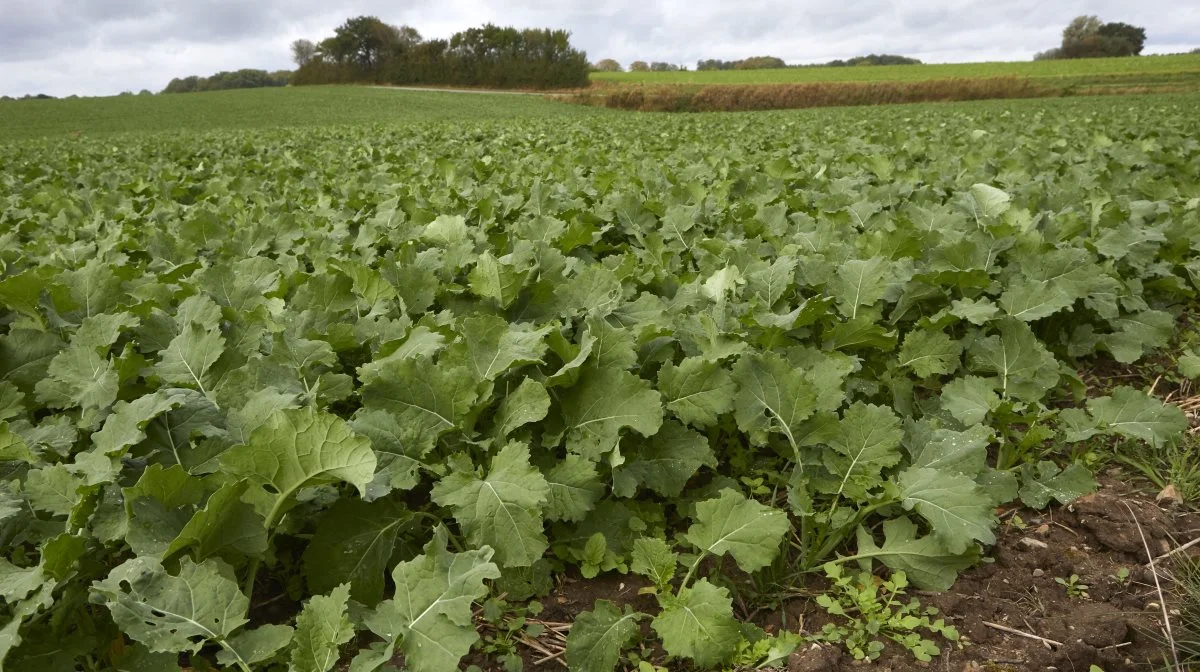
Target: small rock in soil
x=815, y=659
x=1033, y=543
x=1169, y=496
x=1039, y=572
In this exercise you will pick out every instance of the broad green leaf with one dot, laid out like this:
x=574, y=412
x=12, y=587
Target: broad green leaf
x=528, y=403
x=22, y=292
x=297, y=449
x=398, y=460
x=353, y=544
x=200, y=605
x=723, y=284
x=321, y=628
x=697, y=391
x=698, y=624
x=25, y=356
x=429, y=620
x=860, y=282
x=678, y=220
x=426, y=401
x=595, y=290
x=225, y=524
x=1046, y=481
x=930, y=353
x=772, y=396
x=255, y=646
x=446, y=230
x=80, y=377
x=490, y=346
x=189, y=357
x=1024, y=368
x=61, y=554
x=1189, y=365
x=1029, y=301
x=11, y=401
x=663, y=463
x=574, y=489
x=653, y=558
x=16, y=583
x=868, y=441
x=924, y=560
x=952, y=452
x=604, y=402
x=863, y=332
x=10, y=632
x=100, y=332
x=612, y=347
x=13, y=448
x=160, y=505
x=969, y=399
x=126, y=426
x=769, y=282
x=260, y=405
x=952, y=503
x=503, y=510
x=975, y=311
x=173, y=433
x=989, y=201
x=497, y=280
x=1138, y=334
x=749, y=531
x=53, y=489
x=1137, y=415
x=92, y=289
x=173, y=486
x=419, y=343
x=598, y=636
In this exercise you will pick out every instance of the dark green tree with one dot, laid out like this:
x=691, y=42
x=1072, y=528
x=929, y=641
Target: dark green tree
x=1135, y=36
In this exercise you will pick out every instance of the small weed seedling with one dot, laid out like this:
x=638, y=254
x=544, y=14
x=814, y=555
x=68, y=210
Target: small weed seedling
x=1074, y=588
x=873, y=611
x=1121, y=577
x=508, y=622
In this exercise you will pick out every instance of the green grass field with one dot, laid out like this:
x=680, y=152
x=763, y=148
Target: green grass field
x=261, y=108
x=1130, y=69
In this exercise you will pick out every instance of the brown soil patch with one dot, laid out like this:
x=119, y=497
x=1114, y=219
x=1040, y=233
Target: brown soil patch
x=1114, y=627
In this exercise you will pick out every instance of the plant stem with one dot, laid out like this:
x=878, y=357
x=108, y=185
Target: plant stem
x=255, y=563
x=240, y=663
x=691, y=570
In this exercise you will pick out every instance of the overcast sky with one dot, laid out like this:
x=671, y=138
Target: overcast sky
x=103, y=47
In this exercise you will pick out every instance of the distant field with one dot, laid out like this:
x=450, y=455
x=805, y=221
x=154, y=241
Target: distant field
x=261, y=108
x=1125, y=70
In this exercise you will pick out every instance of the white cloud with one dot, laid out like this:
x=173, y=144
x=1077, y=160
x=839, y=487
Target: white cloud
x=102, y=47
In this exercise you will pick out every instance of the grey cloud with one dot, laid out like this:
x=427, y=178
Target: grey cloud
x=96, y=47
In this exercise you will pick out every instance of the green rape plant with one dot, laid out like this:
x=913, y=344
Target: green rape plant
x=348, y=383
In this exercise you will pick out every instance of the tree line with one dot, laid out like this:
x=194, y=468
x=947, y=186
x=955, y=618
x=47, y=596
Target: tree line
x=365, y=49
x=752, y=63
x=238, y=79
x=1089, y=37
